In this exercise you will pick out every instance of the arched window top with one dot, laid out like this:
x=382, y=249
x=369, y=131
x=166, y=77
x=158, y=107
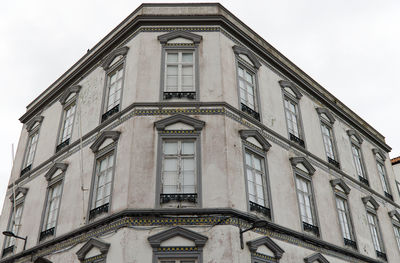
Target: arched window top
x=256, y=138
x=198, y=239
x=179, y=122
x=56, y=167
x=105, y=138
x=290, y=88
x=179, y=36
x=317, y=257
x=242, y=51
x=68, y=93
x=95, y=244
x=355, y=136
x=119, y=52
x=379, y=154
x=269, y=243
x=303, y=164
x=34, y=122
x=340, y=183
x=326, y=114
x=369, y=201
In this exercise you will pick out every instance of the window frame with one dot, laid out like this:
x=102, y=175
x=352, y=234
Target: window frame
x=330, y=126
x=109, y=69
x=396, y=225
x=356, y=140
x=255, y=113
x=300, y=140
x=385, y=175
x=398, y=187
x=73, y=102
x=32, y=129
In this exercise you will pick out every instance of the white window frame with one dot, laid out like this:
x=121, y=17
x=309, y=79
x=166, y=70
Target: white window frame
x=180, y=64
x=106, y=195
x=359, y=165
x=65, y=135
x=382, y=173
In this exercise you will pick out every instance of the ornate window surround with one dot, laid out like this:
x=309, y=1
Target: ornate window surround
x=194, y=46
x=261, y=258
x=103, y=247
x=165, y=134
x=317, y=257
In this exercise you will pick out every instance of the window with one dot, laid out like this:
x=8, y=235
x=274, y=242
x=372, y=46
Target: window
x=178, y=170
x=396, y=225
x=373, y=224
x=327, y=121
x=380, y=163
x=398, y=187
x=305, y=196
x=396, y=229
x=114, y=66
x=66, y=128
x=31, y=148
x=32, y=127
x=247, y=67
x=52, y=207
x=355, y=141
x=102, y=181
x=291, y=97
x=178, y=261
x=179, y=75
x=15, y=225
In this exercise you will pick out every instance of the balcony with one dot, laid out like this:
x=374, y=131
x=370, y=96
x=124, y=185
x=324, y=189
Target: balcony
x=46, y=233
x=311, y=228
x=25, y=170
x=297, y=140
x=62, y=145
x=189, y=95
x=381, y=255
x=334, y=162
x=166, y=198
x=350, y=243
x=109, y=113
x=261, y=209
x=363, y=180
x=250, y=111
x=8, y=250
x=389, y=195
x=98, y=210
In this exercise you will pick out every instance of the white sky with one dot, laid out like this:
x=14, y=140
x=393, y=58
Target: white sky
x=349, y=47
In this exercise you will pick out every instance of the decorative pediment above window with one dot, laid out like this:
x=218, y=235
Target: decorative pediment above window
x=317, y=257
x=20, y=193
x=179, y=121
x=379, y=153
x=353, y=134
x=179, y=37
x=247, y=55
x=93, y=247
x=290, y=88
x=256, y=138
x=42, y=260
x=105, y=138
x=62, y=167
x=254, y=246
x=369, y=201
x=117, y=53
x=303, y=164
x=395, y=215
x=34, y=122
x=340, y=183
x=326, y=114
x=157, y=239
x=69, y=93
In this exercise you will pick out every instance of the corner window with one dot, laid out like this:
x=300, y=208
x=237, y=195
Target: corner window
x=114, y=65
x=355, y=142
x=102, y=181
x=380, y=163
x=291, y=98
x=303, y=171
x=247, y=67
x=33, y=128
x=178, y=181
x=179, y=74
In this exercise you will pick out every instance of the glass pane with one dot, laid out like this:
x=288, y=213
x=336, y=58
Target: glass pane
x=172, y=81
x=249, y=77
x=187, y=81
x=172, y=57
x=170, y=165
x=241, y=73
x=172, y=70
x=188, y=178
x=170, y=147
x=187, y=147
x=187, y=57
x=188, y=164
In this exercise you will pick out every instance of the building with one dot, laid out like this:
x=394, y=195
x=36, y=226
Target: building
x=396, y=169
x=183, y=136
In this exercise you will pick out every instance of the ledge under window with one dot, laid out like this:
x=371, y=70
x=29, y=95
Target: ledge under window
x=166, y=198
x=46, y=233
x=311, y=228
x=259, y=208
x=62, y=145
x=381, y=255
x=297, y=140
x=98, y=210
x=363, y=180
x=8, y=250
x=350, y=243
x=389, y=195
x=179, y=94
x=250, y=111
x=109, y=113
x=334, y=162
x=25, y=170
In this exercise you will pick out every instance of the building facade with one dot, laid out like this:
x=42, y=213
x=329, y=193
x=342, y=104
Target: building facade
x=183, y=136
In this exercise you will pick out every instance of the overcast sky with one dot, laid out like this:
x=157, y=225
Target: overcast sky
x=349, y=47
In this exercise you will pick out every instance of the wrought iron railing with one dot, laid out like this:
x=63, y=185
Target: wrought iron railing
x=25, y=170
x=62, y=145
x=259, y=208
x=296, y=139
x=250, y=111
x=334, y=162
x=8, y=250
x=110, y=112
x=46, y=233
x=364, y=180
x=181, y=94
x=350, y=243
x=381, y=255
x=389, y=195
x=165, y=198
x=98, y=210
x=311, y=228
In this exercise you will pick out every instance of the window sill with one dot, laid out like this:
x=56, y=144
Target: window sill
x=46, y=233
x=166, y=198
x=8, y=250
x=311, y=228
x=363, y=180
x=99, y=210
x=62, y=145
x=297, y=140
x=109, y=113
x=350, y=243
x=179, y=94
x=25, y=170
x=250, y=111
x=261, y=209
x=334, y=162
